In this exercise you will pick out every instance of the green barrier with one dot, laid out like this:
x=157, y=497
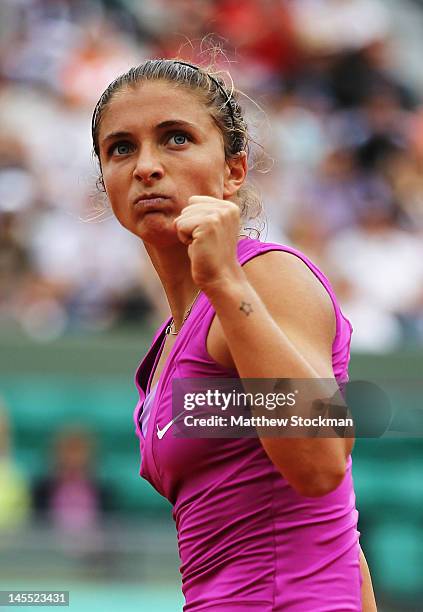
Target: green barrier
x=395, y=554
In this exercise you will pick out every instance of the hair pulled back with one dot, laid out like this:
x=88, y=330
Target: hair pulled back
x=222, y=103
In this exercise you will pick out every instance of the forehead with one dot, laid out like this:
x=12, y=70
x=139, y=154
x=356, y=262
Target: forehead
x=150, y=103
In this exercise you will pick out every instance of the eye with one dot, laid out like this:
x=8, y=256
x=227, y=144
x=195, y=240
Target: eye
x=121, y=148
x=179, y=138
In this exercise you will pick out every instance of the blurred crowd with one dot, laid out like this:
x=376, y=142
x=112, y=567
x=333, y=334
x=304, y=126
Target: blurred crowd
x=342, y=178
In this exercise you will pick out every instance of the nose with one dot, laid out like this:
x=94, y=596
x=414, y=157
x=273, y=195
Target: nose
x=148, y=167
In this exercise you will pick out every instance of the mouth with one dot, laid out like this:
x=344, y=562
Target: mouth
x=150, y=201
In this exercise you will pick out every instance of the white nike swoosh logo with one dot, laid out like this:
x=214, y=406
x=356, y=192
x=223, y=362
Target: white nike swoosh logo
x=161, y=432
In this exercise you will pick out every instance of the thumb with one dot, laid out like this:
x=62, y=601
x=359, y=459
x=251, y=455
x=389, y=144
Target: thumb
x=183, y=231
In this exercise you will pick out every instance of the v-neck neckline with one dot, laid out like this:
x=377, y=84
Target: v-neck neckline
x=184, y=332
x=160, y=340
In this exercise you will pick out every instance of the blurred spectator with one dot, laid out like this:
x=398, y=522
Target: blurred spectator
x=180, y=26
x=14, y=491
x=266, y=54
x=100, y=54
x=19, y=195
x=404, y=171
x=383, y=268
x=71, y=498
x=333, y=26
x=336, y=193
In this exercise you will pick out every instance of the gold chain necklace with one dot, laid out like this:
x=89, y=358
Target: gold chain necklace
x=170, y=329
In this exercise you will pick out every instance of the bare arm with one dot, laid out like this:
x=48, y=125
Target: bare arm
x=277, y=321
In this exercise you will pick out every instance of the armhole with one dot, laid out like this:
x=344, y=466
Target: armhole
x=218, y=365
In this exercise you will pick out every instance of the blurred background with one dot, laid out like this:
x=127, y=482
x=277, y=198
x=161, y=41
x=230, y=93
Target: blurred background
x=340, y=86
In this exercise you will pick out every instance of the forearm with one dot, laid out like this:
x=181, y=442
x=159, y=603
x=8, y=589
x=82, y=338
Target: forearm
x=261, y=349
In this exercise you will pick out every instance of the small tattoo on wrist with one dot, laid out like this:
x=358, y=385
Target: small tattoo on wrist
x=246, y=308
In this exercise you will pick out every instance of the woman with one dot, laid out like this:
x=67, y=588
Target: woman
x=263, y=523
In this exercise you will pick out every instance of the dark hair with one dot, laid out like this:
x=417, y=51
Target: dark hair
x=221, y=101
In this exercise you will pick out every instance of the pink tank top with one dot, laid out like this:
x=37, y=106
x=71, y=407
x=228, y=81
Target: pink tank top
x=247, y=540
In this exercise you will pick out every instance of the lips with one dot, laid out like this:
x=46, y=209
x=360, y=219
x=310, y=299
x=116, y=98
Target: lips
x=151, y=202
x=150, y=198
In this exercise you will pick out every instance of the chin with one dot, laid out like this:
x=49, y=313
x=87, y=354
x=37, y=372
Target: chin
x=156, y=232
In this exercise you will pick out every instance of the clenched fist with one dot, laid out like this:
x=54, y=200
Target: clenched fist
x=210, y=228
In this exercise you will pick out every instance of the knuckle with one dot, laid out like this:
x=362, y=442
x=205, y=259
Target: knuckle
x=231, y=208
x=231, y=212
x=194, y=198
x=213, y=220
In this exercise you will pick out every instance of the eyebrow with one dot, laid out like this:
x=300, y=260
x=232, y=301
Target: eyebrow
x=114, y=135
x=176, y=122
x=160, y=126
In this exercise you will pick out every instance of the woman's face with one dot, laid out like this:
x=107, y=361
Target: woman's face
x=158, y=146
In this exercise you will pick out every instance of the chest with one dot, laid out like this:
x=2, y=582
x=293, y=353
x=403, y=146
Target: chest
x=162, y=358
x=166, y=458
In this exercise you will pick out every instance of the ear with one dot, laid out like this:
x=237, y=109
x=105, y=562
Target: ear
x=235, y=174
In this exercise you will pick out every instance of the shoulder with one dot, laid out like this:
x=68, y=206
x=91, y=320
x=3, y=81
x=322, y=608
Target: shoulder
x=298, y=302
x=290, y=288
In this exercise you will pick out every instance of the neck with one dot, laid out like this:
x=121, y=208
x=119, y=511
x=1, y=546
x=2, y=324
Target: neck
x=173, y=267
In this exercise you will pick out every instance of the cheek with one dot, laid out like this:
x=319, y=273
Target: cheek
x=109, y=180
x=113, y=186
x=209, y=176
x=116, y=195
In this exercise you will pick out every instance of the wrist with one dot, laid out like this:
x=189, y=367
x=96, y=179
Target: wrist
x=227, y=284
